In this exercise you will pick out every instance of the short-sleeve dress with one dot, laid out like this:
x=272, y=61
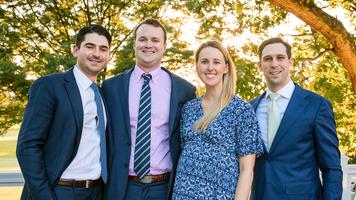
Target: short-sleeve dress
x=208, y=167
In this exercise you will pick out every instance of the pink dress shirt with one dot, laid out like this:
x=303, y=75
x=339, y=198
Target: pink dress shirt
x=160, y=84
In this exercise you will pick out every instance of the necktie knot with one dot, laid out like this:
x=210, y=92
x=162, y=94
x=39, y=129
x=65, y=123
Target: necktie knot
x=94, y=86
x=146, y=78
x=274, y=96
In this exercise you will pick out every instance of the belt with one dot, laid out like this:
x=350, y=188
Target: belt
x=151, y=178
x=81, y=183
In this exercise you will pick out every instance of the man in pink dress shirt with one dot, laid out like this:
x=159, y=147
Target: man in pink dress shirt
x=168, y=94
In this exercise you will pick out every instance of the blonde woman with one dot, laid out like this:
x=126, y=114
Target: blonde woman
x=219, y=134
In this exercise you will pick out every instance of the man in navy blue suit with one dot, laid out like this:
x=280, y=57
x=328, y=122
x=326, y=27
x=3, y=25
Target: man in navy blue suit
x=298, y=130
x=144, y=106
x=59, y=145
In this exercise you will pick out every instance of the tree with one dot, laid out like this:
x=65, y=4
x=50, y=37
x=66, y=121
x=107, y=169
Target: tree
x=316, y=67
x=343, y=42
x=13, y=94
x=329, y=79
x=36, y=38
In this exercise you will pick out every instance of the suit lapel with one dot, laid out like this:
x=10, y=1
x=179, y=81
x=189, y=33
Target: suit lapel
x=75, y=100
x=173, y=102
x=124, y=98
x=294, y=109
x=173, y=105
x=255, y=103
x=106, y=111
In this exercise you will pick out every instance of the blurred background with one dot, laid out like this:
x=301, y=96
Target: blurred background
x=36, y=37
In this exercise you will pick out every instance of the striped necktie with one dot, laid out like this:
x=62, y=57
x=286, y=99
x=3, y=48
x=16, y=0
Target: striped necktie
x=143, y=134
x=101, y=129
x=274, y=117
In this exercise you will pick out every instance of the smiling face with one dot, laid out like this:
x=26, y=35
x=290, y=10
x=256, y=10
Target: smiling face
x=275, y=66
x=92, y=54
x=211, y=67
x=149, y=47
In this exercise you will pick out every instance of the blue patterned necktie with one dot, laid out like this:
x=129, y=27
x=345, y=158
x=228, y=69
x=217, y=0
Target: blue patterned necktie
x=101, y=129
x=143, y=134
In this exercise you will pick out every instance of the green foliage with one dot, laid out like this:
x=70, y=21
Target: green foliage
x=332, y=81
x=249, y=83
x=124, y=58
x=36, y=38
x=14, y=88
x=319, y=70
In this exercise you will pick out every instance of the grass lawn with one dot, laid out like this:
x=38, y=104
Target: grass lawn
x=10, y=193
x=8, y=162
x=7, y=151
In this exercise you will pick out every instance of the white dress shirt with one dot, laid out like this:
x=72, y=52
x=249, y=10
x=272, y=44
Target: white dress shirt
x=86, y=163
x=282, y=102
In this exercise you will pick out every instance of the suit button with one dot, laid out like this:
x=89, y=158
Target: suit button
x=126, y=165
x=128, y=143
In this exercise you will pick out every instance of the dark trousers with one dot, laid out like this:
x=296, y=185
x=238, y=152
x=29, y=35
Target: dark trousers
x=78, y=193
x=152, y=191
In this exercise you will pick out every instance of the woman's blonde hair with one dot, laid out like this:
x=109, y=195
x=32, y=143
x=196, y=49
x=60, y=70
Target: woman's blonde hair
x=228, y=89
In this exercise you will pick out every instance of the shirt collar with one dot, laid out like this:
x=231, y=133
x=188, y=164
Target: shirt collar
x=137, y=74
x=285, y=91
x=83, y=81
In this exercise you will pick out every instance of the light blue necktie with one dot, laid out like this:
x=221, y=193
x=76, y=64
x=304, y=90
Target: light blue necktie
x=101, y=129
x=143, y=134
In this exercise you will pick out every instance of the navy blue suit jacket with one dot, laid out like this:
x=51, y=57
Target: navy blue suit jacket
x=305, y=142
x=116, y=93
x=50, y=133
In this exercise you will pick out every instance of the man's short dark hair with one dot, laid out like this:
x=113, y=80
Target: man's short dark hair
x=93, y=28
x=273, y=41
x=155, y=23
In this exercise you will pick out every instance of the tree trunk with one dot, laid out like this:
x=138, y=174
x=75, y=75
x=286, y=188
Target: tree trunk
x=334, y=31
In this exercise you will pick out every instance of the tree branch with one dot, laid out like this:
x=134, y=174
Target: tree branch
x=48, y=42
x=60, y=19
x=87, y=11
x=298, y=35
x=121, y=42
x=317, y=56
x=332, y=29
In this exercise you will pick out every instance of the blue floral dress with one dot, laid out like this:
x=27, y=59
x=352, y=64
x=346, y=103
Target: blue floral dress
x=208, y=167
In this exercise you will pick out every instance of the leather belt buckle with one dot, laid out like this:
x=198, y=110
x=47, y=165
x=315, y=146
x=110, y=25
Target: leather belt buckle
x=87, y=184
x=146, y=179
